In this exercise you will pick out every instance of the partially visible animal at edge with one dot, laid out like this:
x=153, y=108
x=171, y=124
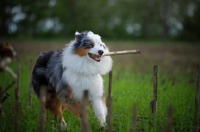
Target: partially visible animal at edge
x=67, y=73
x=7, y=54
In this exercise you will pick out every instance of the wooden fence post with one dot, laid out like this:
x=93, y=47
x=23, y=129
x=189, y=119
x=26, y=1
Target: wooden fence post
x=1, y=110
x=30, y=85
x=154, y=101
x=17, y=101
x=169, y=119
x=134, y=127
x=109, y=103
x=42, y=108
x=84, y=119
x=196, y=115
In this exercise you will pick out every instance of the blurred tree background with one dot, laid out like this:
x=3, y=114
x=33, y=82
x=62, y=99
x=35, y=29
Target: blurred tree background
x=112, y=19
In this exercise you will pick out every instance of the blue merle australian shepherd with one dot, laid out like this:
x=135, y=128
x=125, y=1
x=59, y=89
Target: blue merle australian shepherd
x=67, y=73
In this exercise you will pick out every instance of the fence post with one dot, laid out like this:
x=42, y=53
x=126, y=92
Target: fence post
x=84, y=119
x=30, y=85
x=134, y=127
x=1, y=110
x=154, y=101
x=109, y=103
x=196, y=115
x=17, y=101
x=42, y=108
x=169, y=119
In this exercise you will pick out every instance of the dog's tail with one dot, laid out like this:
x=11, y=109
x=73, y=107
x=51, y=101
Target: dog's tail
x=38, y=81
x=39, y=72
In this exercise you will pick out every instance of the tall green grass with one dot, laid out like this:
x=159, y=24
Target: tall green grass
x=132, y=84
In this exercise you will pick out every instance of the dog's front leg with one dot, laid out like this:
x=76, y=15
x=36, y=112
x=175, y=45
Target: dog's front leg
x=10, y=71
x=100, y=111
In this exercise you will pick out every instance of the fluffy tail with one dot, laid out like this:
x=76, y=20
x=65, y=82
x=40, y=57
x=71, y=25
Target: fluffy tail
x=39, y=71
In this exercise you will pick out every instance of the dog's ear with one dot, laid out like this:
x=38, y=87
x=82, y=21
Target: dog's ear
x=76, y=35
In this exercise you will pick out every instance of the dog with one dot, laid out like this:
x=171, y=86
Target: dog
x=7, y=54
x=68, y=72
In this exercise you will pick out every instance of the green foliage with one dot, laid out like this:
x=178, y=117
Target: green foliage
x=191, y=25
x=125, y=19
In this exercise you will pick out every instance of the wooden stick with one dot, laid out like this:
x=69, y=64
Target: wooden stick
x=169, y=120
x=42, y=108
x=196, y=116
x=136, y=51
x=134, y=125
x=8, y=87
x=154, y=101
x=109, y=103
x=17, y=102
x=84, y=121
x=110, y=84
x=5, y=97
x=1, y=110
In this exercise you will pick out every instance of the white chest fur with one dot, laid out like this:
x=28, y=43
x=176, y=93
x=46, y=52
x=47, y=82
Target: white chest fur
x=81, y=82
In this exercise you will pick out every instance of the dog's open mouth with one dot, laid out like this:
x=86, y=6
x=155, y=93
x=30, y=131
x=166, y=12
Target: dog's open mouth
x=95, y=57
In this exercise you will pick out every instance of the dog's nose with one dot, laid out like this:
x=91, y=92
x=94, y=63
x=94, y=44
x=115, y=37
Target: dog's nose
x=100, y=52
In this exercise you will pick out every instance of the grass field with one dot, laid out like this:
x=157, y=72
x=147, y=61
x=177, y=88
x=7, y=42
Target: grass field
x=132, y=84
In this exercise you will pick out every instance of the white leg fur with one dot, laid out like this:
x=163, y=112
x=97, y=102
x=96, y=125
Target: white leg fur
x=10, y=71
x=100, y=111
x=63, y=125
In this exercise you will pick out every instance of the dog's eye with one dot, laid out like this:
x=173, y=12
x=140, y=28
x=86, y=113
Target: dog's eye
x=104, y=46
x=100, y=44
x=91, y=45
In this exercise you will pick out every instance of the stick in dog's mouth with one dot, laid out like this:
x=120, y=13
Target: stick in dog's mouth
x=135, y=51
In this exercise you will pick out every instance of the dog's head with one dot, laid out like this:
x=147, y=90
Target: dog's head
x=85, y=54
x=7, y=51
x=90, y=45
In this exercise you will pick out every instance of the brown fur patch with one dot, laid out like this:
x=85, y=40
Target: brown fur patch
x=75, y=109
x=54, y=104
x=67, y=98
x=92, y=42
x=82, y=52
x=64, y=99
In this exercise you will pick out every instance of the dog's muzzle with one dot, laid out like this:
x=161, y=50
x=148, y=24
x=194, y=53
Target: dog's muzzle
x=95, y=57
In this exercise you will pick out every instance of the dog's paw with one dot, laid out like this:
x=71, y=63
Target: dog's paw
x=102, y=128
x=63, y=125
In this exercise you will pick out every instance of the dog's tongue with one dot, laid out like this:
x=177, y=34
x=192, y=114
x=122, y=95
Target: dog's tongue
x=97, y=58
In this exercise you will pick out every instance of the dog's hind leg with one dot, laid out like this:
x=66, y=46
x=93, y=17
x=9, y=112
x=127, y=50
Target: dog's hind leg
x=55, y=107
x=100, y=111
